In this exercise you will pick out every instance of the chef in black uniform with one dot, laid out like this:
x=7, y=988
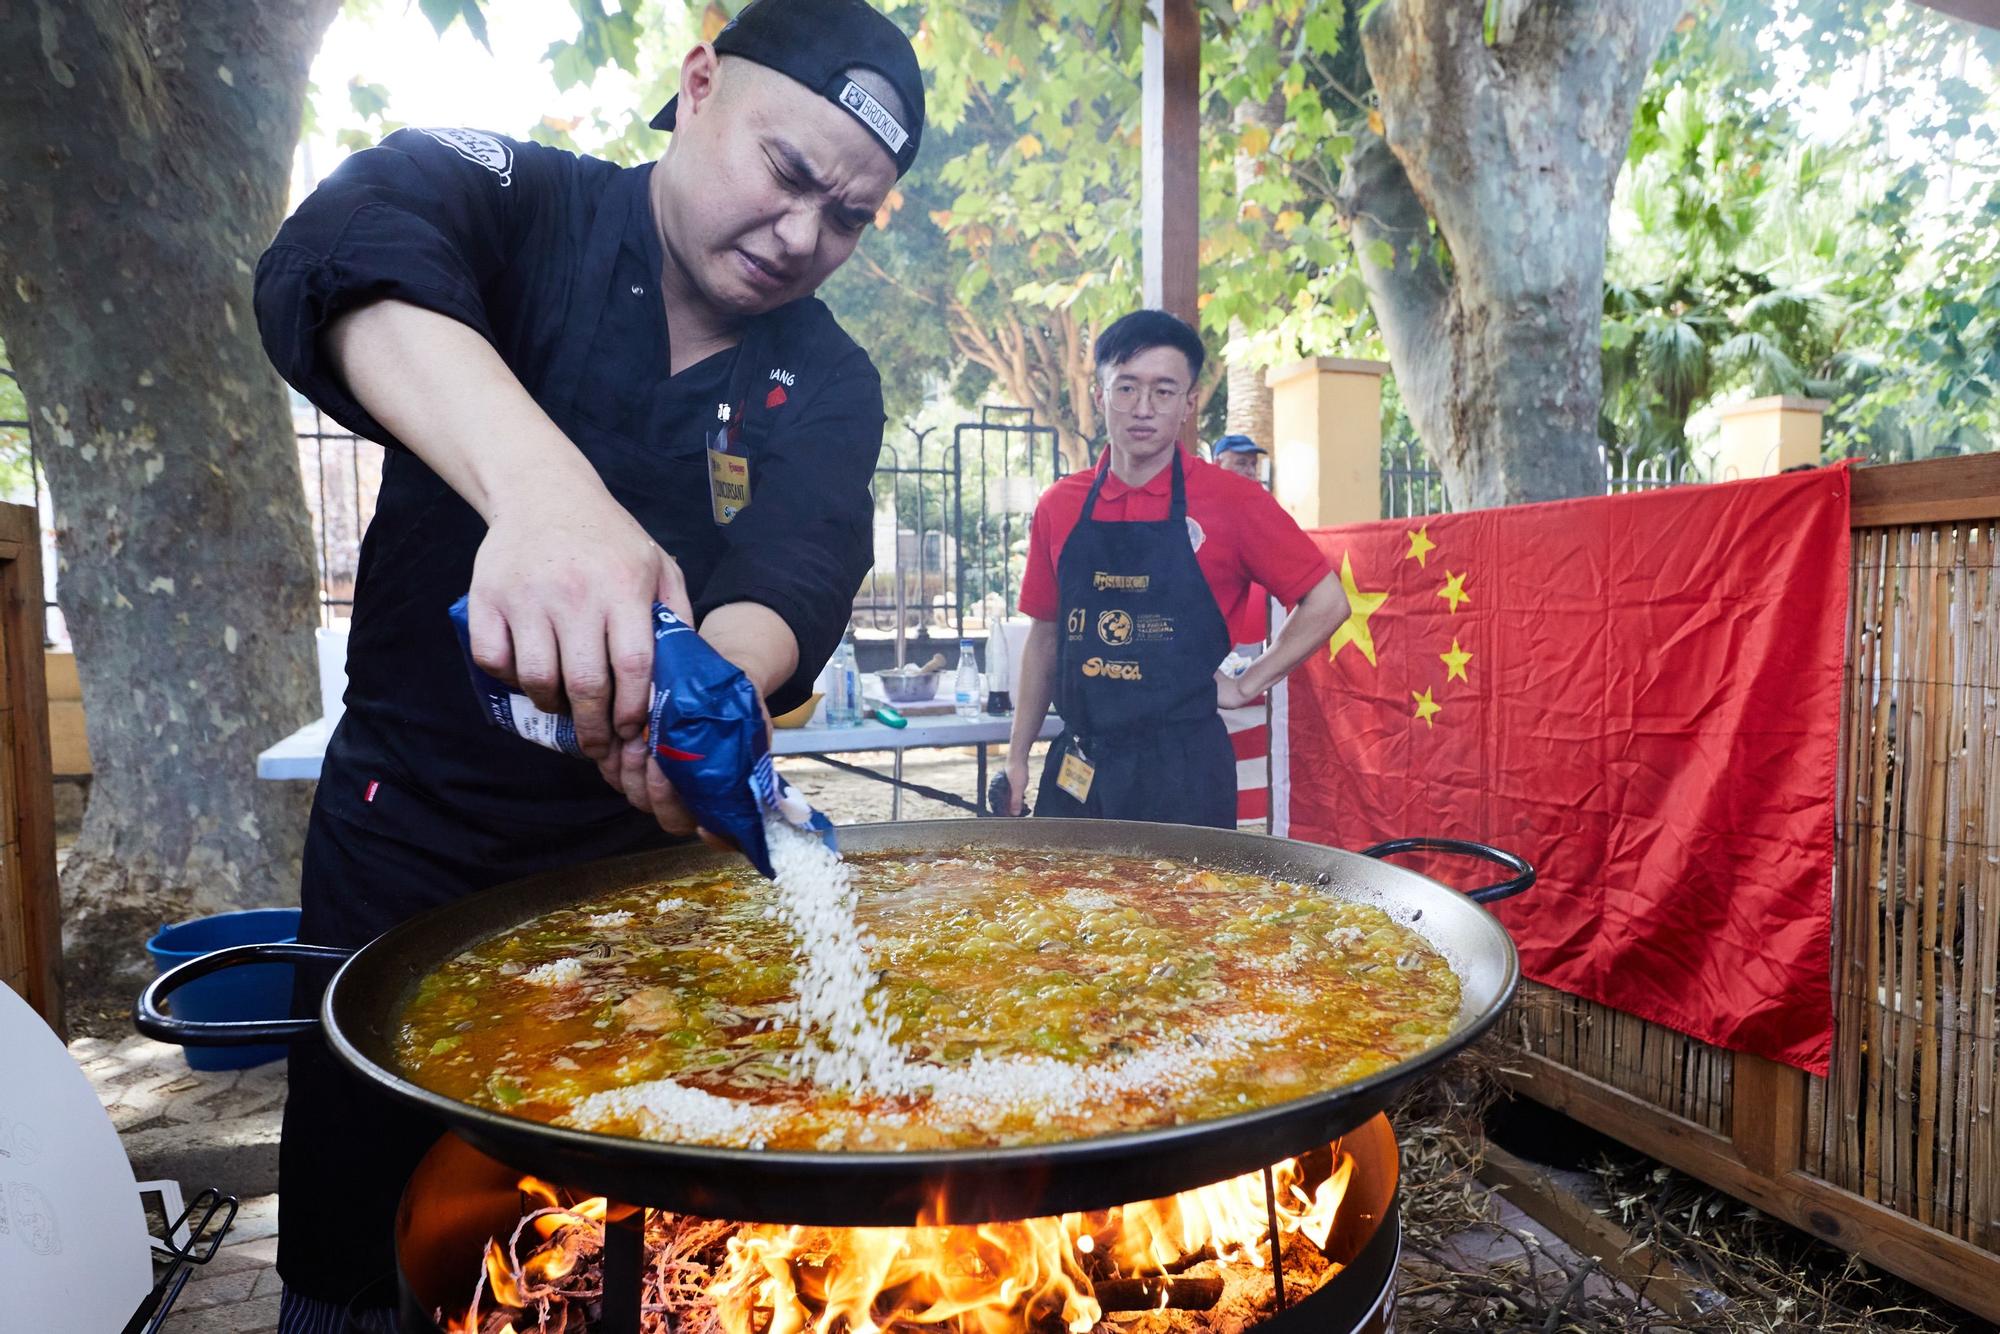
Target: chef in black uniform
x=598, y=386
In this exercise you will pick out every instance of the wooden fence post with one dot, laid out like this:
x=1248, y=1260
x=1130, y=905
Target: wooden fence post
x=30, y=908
x=1770, y=1111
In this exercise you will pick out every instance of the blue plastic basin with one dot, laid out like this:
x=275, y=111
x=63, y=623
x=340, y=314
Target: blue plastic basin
x=260, y=992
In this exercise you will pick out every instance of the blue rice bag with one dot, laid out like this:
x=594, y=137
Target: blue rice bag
x=705, y=731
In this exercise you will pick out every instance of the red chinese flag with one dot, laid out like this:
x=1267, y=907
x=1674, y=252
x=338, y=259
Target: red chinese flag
x=1641, y=695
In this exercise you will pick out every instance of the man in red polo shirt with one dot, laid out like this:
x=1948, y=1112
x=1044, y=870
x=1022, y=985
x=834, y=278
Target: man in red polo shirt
x=1137, y=570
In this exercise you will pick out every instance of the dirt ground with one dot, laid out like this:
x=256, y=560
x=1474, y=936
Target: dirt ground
x=851, y=799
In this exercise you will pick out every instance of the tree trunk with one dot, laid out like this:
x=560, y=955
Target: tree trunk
x=1249, y=397
x=1513, y=150
x=145, y=152
x=1043, y=367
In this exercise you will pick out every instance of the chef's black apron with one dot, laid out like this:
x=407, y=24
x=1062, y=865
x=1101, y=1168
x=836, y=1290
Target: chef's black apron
x=1142, y=637
x=380, y=848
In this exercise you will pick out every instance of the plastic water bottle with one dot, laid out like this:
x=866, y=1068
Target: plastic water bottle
x=965, y=690
x=843, y=695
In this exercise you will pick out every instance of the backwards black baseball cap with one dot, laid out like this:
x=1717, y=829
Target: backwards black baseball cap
x=816, y=42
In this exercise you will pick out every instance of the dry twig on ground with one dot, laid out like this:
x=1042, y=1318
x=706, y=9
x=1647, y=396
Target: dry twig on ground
x=1464, y=1270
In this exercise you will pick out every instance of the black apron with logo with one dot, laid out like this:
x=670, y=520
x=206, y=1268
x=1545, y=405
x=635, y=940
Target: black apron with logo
x=1142, y=637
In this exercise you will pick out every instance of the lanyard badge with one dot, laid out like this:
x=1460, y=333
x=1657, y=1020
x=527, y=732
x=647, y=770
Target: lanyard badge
x=728, y=468
x=1076, y=772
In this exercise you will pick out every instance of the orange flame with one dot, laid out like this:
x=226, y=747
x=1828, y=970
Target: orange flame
x=992, y=1278
x=1317, y=1219
x=500, y=1277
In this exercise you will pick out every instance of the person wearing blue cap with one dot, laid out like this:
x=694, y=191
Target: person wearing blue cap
x=600, y=388
x=1239, y=454
x=1245, y=457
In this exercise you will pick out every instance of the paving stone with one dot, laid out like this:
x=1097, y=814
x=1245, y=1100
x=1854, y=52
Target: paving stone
x=86, y=1050
x=250, y=1256
x=256, y=1219
x=133, y=1062
x=142, y=1104
x=264, y=1250
x=247, y=1247
x=201, y=1128
x=258, y=1315
x=237, y=1157
x=205, y=1289
x=233, y=1101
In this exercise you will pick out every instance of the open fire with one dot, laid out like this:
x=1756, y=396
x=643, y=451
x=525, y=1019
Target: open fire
x=1204, y=1250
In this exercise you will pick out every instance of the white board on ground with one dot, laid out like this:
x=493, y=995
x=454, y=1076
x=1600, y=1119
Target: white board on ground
x=73, y=1248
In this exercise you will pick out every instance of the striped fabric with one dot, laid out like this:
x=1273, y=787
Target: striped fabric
x=309, y=1315
x=1277, y=747
x=1250, y=737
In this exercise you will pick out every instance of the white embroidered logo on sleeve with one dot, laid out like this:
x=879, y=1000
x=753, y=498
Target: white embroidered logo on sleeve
x=494, y=154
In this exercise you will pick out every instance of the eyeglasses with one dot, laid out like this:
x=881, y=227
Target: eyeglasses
x=1164, y=397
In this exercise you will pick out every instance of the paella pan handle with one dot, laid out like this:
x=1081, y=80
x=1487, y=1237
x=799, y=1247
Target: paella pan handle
x=155, y=1023
x=1523, y=877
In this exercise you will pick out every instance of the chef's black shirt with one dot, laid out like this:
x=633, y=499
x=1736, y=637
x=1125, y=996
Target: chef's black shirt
x=555, y=260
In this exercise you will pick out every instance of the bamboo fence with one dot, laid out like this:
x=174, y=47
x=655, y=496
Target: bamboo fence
x=1894, y=1154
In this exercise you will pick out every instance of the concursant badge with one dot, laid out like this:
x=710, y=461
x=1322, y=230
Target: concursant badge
x=728, y=484
x=728, y=472
x=1076, y=773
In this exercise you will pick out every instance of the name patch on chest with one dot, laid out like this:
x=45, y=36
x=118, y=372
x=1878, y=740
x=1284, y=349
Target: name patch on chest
x=1129, y=583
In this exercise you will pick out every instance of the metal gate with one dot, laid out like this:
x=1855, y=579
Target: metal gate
x=952, y=527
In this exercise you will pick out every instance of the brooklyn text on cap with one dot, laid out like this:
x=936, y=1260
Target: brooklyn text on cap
x=817, y=42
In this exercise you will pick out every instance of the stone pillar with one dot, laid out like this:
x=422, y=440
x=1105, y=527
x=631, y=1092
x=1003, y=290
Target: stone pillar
x=1326, y=440
x=1765, y=436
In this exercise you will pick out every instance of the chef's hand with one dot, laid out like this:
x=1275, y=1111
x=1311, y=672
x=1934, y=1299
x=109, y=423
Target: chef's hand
x=561, y=605
x=630, y=768
x=760, y=644
x=1231, y=694
x=1017, y=787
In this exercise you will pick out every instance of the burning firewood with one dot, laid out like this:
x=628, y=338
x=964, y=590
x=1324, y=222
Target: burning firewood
x=1159, y=1294
x=712, y=1277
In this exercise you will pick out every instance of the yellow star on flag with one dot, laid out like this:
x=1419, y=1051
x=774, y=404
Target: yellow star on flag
x=1454, y=662
x=1426, y=706
x=1360, y=606
x=1420, y=545
x=1454, y=590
